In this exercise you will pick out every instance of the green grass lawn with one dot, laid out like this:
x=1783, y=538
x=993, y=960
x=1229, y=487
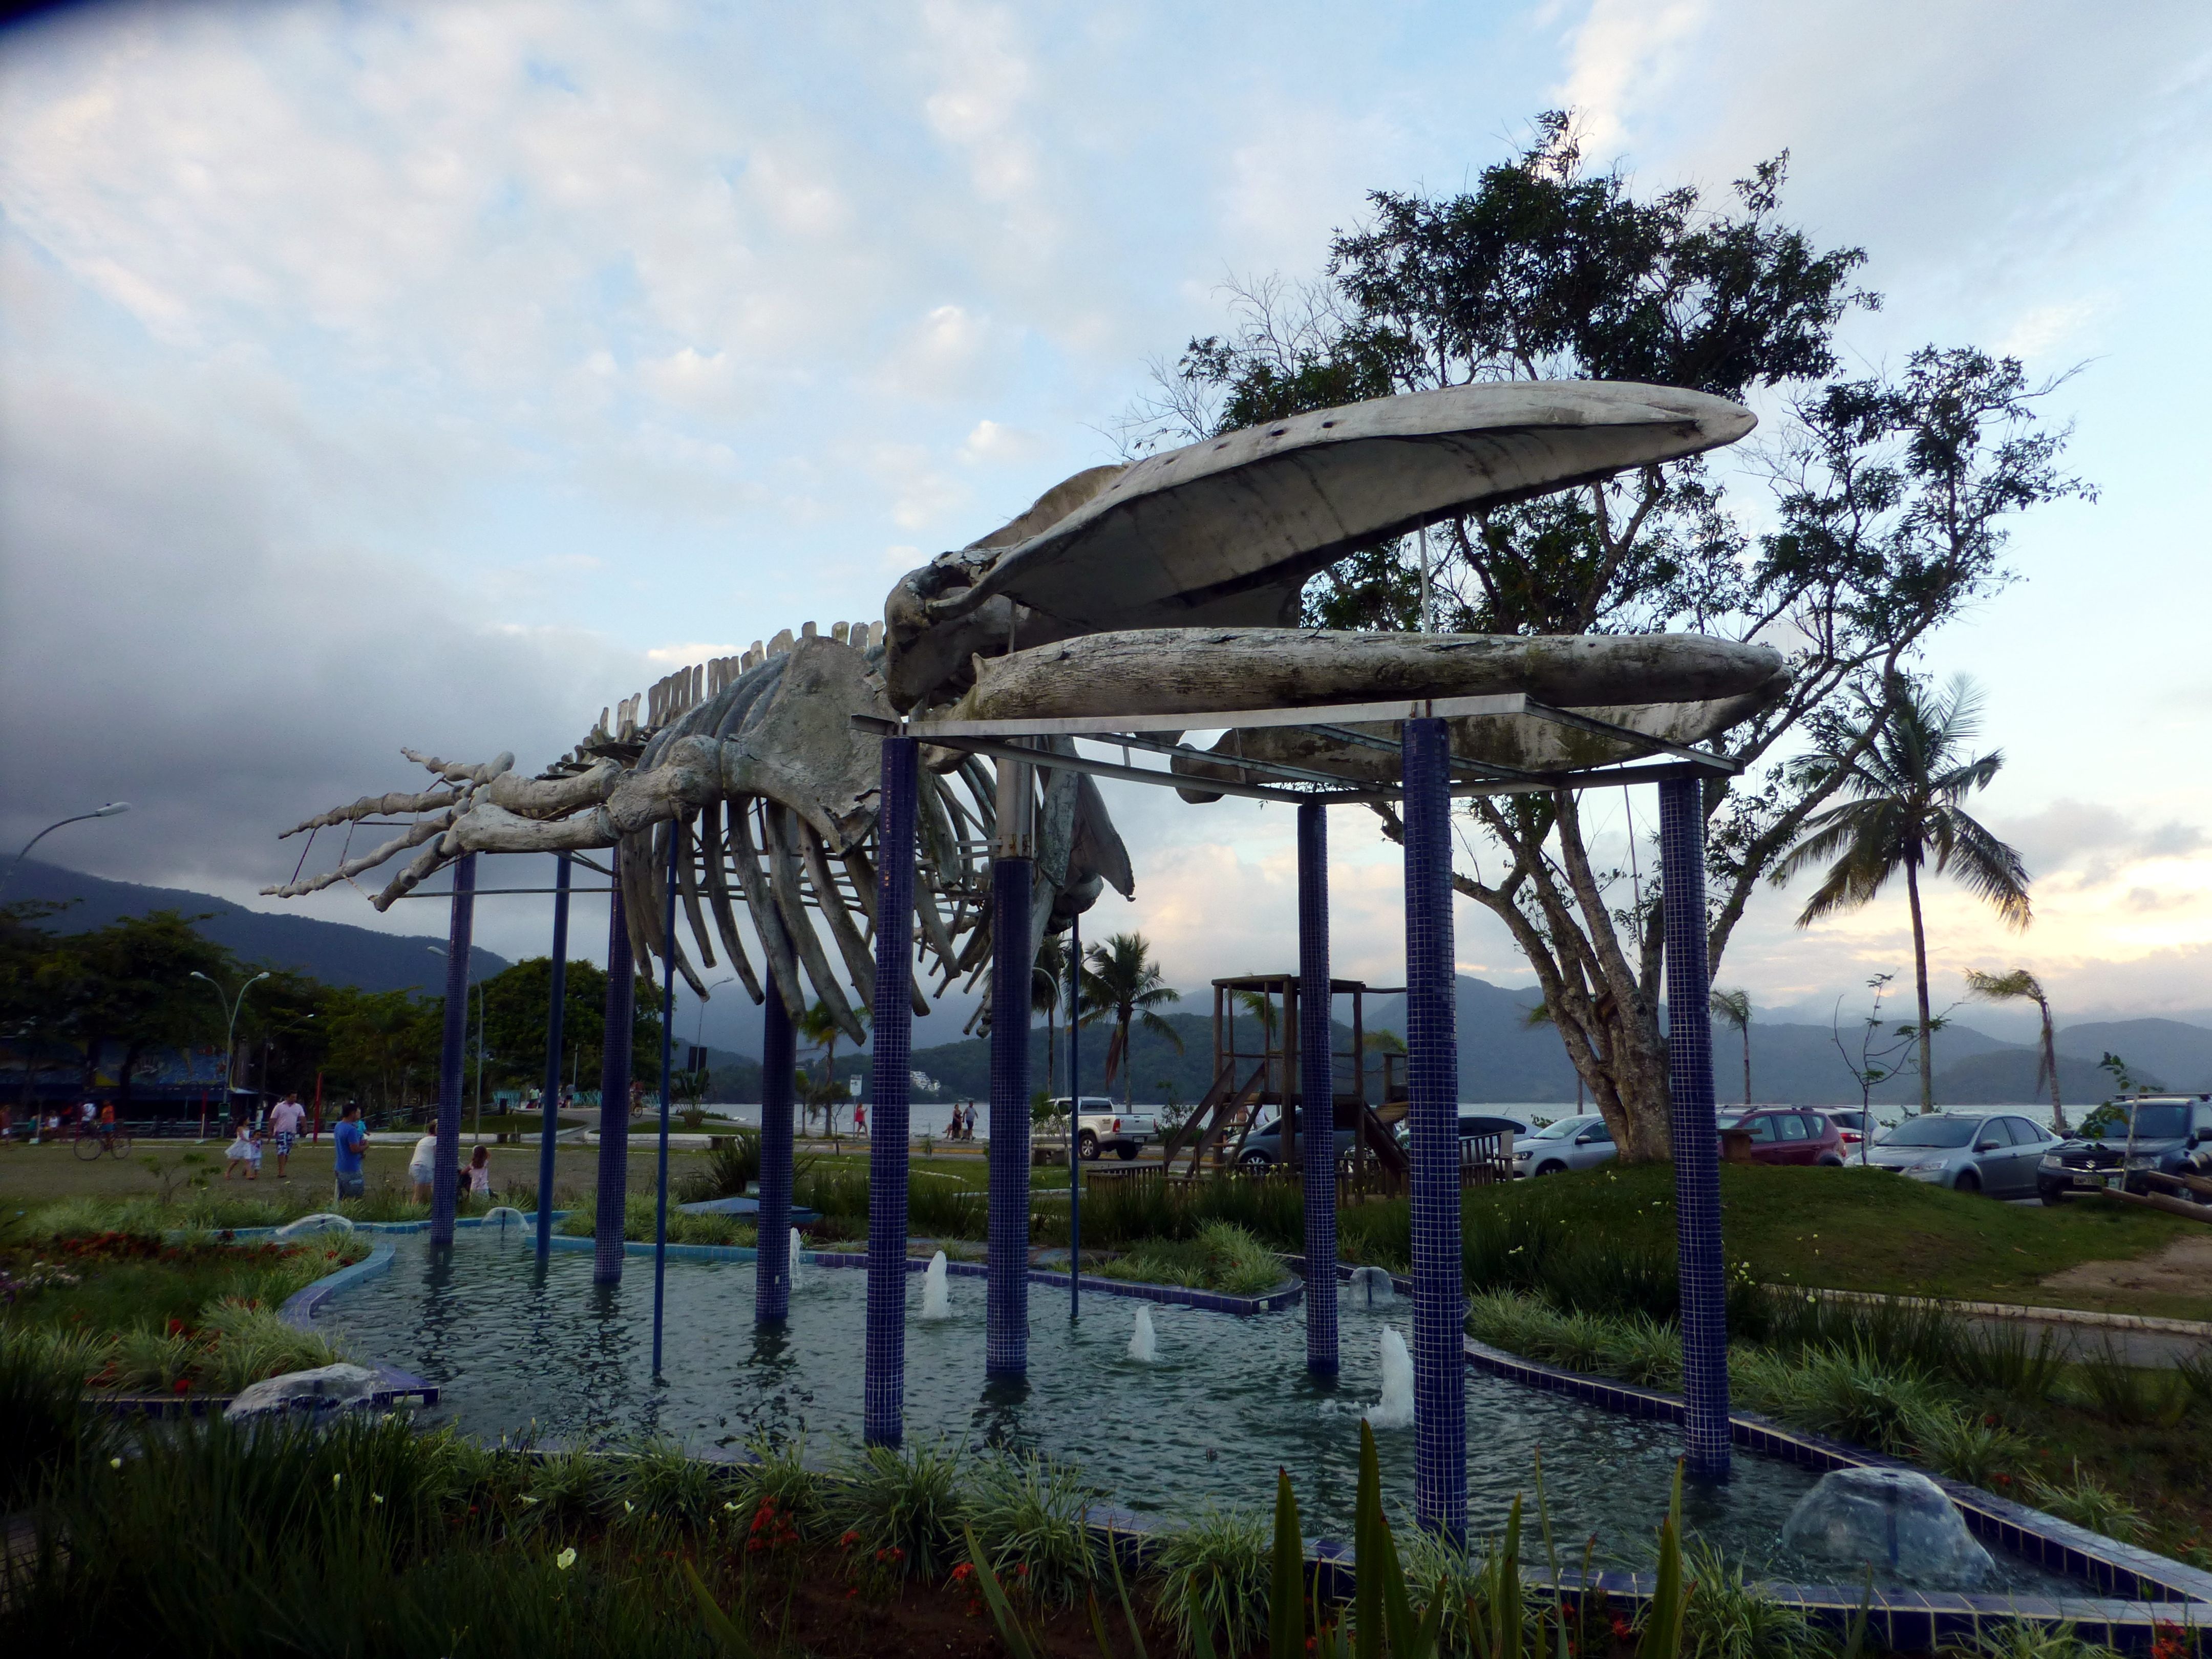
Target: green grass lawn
x=1868, y=1231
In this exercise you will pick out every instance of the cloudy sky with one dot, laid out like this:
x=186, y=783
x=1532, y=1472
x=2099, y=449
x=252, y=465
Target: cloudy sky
x=437, y=375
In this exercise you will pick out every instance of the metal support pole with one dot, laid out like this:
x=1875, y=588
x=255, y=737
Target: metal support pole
x=1433, y=1080
x=772, y=1264
x=667, y=1063
x=883, y=1384
x=1074, y=1100
x=614, y=1094
x=1695, y=1138
x=556, y=1008
x=1316, y=1090
x=1007, y=1260
x=445, y=1180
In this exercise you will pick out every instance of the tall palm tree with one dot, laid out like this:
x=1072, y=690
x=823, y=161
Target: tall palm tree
x=1904, y=773
x=1121, y=983
x=2021, y=983
x=819, y=1027
x=1733, y=1009
x=1047, y=979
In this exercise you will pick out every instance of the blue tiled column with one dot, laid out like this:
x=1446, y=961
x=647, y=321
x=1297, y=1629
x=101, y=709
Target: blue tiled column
x=1432, y=1077
x=1316, y=1090
x=1696, y=1140
x=556, y=1007
x=1007, y=1266
x=883, y=1387
x=778, y=1057
x=445, y=1178
x=614, y=1091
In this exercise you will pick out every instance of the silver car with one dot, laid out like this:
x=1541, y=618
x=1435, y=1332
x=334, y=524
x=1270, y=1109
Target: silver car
x=1572, y=1143
x=1992, y=1152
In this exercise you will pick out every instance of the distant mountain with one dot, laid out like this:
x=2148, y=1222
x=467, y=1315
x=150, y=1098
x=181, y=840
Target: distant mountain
x=2180, y=1054
x=332, y=951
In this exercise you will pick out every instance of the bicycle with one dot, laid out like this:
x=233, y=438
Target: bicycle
x=90, y=1143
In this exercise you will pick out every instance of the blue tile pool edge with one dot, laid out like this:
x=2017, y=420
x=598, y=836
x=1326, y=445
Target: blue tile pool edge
x=2134, y=1582
x=1905, y=1619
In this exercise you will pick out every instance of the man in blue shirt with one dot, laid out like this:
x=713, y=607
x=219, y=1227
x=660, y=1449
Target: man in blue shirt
x=350, y=1138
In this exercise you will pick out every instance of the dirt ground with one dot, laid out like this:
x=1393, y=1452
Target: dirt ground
x=2182, y=1269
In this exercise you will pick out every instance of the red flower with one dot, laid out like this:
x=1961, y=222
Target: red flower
x=850, y=1539
x=964, y=1573
x=182, y=1385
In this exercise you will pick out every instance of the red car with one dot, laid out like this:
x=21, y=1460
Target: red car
x=1780, y=1134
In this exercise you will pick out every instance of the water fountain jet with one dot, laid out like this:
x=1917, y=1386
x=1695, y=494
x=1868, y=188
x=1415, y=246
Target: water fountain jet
x=1395, y=1410
x=936, y=1298
x=1144, y=1345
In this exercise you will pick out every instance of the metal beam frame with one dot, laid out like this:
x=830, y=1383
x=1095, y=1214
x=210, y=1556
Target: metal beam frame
x=1006, y=739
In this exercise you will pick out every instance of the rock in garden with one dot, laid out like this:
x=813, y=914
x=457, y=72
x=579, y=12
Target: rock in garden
x=1901, y=1523
x=326, y=1389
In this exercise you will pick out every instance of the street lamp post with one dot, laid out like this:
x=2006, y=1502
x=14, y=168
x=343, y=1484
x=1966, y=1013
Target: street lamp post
x=110, y=810
x=230, y=1007
x=699, y=1025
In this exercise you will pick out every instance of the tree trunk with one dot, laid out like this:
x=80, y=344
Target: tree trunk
x=2051, y=1064
x=1747, y=1062
x=1128, y=1065
x=130, y=1056
x=1920, y=985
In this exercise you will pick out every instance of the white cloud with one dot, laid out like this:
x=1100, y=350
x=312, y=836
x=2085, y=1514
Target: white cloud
x=1621, y=58
x=992, y=444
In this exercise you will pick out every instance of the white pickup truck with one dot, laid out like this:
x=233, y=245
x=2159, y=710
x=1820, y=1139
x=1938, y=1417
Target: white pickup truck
x=1102, y=1127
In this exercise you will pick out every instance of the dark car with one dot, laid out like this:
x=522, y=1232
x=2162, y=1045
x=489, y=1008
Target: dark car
x=1263, y=1147
x=2122, y=1140
x=1786, y=1134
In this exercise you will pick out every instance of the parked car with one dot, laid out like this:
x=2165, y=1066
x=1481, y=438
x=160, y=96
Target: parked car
x=1263, y=1147
x=1992, y=1152
x=1101, y=1127
x=1787, y=1134
x=1472, y=1125
x=2172, y=1134
x=1572, y=1143
x=1854, y=1126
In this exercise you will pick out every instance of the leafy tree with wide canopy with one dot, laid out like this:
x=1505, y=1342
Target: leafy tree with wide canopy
x=1887, y=498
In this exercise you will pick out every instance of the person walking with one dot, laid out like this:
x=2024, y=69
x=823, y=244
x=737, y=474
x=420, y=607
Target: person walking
x=284, y=1119
x=350, y=1140
x=242, y=1153
x=422, y=1165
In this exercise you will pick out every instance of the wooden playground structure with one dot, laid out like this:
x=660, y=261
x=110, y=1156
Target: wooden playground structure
x=1255, y=1066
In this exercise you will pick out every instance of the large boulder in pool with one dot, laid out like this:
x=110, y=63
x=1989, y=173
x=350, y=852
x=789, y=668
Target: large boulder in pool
x=1901, y=1523
x=324, y=1389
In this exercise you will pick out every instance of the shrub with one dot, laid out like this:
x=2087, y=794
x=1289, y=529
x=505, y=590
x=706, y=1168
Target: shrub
x=1725, y=1618
x=909, y=1500
x=41, y=1401
x=1028, y=1513
x=2088, y=1502
x=1965, y=1448
x=657, y=1478
x=2126, y=1394
x=733, y=1163
x=1214, y=1576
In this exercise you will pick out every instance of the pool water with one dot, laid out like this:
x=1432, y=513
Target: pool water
x=518, y=1349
